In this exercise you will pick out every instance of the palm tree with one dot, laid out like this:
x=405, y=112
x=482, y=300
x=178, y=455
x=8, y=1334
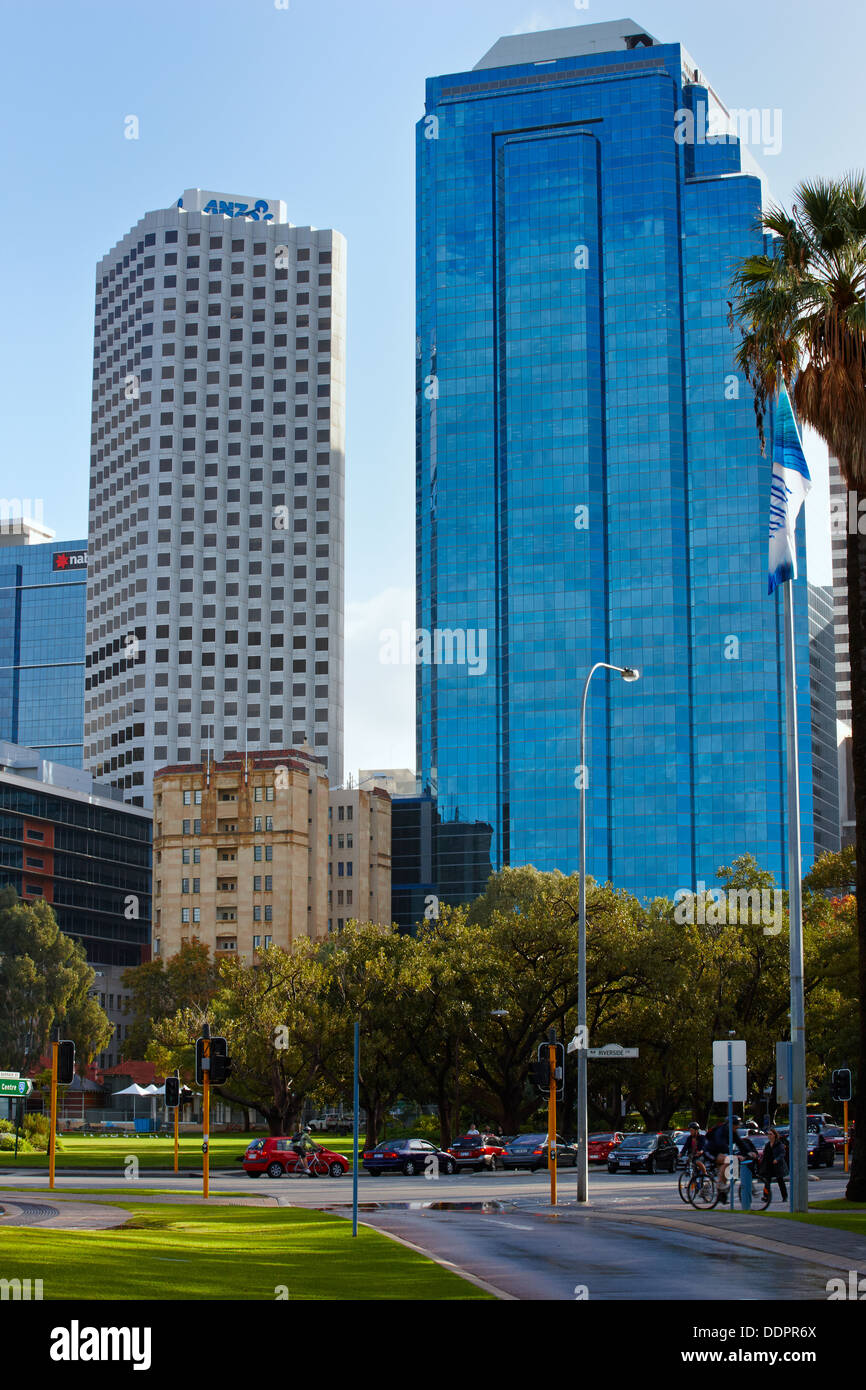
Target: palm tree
x=800, y=313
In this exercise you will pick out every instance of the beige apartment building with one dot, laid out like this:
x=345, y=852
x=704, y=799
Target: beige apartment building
x=359, y=856
x=255, y=850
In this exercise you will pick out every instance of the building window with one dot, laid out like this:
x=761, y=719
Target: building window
x=184, y=914
x=257, y=913
x=269, y=822
x=268, y=940
x=184, y=885
x=257, y=853
x=269, y=852
x=257, y=793
x=269, y=883
x=269, y=793
x=257, y=941
x=257, y=823
x=269, y=913
x=257, y=883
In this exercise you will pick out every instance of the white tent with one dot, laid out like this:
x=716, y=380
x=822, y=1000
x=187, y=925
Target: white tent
x=133, y=1090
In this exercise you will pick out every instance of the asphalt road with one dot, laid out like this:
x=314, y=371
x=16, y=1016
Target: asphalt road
x=634, y=1191
x=544, y=1256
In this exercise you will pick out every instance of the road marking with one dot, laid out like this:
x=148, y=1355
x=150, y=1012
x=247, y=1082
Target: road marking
x=513, y=1227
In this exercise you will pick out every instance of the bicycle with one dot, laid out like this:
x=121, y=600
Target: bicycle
x=693, y=1169
x=704, y=1191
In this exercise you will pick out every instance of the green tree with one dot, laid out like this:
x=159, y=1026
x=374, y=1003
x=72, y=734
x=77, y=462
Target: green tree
x=800, y=312
x=160, y=988
x=44, y=981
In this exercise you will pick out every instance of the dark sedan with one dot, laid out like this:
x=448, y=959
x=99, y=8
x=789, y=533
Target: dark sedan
x=409, y=1156
x=530, y=1151
x=820, y=1150
x=651, y=1152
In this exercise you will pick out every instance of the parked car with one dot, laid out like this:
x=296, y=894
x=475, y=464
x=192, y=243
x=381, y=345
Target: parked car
x=599, y=1146
x=836, y=1135
x=276, y=1157
x=409, y=1156
x=820, y=1150
x=477, y=1151
x=819, y=1120
x=648, y=1151
x=530, y=1151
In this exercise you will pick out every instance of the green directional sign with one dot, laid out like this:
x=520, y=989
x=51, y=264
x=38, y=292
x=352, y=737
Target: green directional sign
x=15, y=1088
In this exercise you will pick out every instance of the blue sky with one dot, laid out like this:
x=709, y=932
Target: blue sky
x=314, y=104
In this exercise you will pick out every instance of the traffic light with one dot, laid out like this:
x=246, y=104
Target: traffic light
x=172, y=1092
x=65, y=1063
x=199, y=1061
x=840, y=1084
x=539, y=1075
x=220, y=1062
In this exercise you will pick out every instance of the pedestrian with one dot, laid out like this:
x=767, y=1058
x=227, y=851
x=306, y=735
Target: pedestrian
x=774, y=1162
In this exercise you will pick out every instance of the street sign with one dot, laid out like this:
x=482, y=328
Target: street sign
x=613, y=1051
x=783, y=1073
x=738, y=1053
x=9, y=1075
x=729, y=1070
x=15, y=1088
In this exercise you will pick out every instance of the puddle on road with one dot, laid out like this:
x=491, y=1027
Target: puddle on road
x=486, y=1208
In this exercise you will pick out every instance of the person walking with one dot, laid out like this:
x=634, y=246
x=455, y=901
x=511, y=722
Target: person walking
x=774, y=1162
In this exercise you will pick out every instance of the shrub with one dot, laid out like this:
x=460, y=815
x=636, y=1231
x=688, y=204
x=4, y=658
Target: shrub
x=7, y=1143
x=36, y=1130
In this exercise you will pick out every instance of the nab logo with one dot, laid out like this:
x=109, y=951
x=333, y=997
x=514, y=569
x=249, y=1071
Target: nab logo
x=69, y=560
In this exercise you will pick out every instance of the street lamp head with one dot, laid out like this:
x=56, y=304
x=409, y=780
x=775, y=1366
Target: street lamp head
x=630, y=673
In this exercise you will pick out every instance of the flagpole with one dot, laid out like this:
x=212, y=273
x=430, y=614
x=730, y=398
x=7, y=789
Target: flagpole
x=799, y=1194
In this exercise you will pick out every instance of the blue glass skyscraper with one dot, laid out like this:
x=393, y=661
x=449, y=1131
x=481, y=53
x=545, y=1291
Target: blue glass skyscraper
x=42, y=615
x=589, y=481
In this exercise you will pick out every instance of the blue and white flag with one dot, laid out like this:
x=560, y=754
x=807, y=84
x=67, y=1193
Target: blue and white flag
x=788, y=490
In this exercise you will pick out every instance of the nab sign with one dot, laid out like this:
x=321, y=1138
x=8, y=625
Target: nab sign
x=69, y=560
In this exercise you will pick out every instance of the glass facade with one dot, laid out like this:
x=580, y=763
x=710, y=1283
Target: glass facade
x=589, y=481
x=42, y=608
x=89, y=860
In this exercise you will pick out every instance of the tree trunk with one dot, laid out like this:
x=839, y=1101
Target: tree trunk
x=443, y=1108
x=856, y=1189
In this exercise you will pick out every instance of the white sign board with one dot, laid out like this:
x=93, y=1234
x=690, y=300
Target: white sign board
x=738, y=1052
x=612, y=1051
x=720, y=1083
x=9, y=1075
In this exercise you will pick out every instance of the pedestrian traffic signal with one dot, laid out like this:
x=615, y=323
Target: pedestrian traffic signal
x=172, y=1092
x=65, y=1063
x=539, y=1075
x=220, y=1062
x=840, y=1084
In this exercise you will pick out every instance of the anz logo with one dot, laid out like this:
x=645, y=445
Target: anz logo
x=258, y=211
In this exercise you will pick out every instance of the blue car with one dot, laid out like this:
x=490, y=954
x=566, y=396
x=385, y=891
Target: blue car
x=409, y=1156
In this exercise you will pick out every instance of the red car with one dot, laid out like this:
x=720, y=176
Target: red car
x=477, y=1151
x=599, y=1146
x=836, y=1135
x=276, y=1157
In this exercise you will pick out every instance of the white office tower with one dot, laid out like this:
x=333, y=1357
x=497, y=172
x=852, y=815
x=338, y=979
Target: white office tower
x=216, y=577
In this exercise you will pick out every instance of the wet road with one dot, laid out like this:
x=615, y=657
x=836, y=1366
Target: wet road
x=542, y=1256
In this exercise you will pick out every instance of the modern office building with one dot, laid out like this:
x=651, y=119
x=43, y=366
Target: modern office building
x=215, y=589
x=359, y=856
x=42, y=602
x=240, y=852
x=434, y=863
x=844, y=513
x=825, y=752
x=589, y=481
x=66, y=839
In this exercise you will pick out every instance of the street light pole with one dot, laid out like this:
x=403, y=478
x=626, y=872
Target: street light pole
x=628, y=674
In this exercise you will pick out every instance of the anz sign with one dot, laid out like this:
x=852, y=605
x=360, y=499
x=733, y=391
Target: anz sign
x=259, y=211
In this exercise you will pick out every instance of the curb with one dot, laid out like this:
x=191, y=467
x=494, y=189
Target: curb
x=445, y=1264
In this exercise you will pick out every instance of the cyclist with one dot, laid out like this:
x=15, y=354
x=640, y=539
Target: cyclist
x=303, y=1144
x=716, y=1148
x=693, y=1148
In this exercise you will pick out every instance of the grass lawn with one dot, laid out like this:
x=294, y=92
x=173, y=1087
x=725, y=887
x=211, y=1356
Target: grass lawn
x=111, y=1152
x=838, y=1214
x=200, y=1252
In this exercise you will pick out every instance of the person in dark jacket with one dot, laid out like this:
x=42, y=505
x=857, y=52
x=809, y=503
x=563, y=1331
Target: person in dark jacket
x=693, y=1147
x=774, y=1162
